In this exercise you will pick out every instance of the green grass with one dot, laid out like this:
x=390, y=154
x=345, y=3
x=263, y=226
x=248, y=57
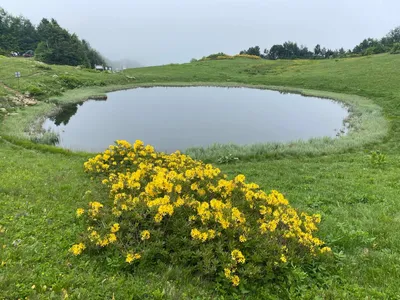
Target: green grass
x=41, y=187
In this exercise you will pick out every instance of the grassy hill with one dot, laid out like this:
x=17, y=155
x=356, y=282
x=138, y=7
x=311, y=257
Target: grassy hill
x=356, y=193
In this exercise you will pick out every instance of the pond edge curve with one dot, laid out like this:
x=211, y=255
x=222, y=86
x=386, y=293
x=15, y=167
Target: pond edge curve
x=366, y=124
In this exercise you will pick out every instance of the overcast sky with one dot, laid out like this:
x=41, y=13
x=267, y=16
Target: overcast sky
x=157, y=32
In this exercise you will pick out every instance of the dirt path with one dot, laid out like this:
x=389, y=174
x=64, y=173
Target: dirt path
x=18, y=98
x=15, y=92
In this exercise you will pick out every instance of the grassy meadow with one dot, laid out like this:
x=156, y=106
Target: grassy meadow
x=355, y=189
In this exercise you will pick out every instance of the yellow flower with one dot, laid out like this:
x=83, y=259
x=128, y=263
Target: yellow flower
x=194, y=187
x=138, y=145
x=103, y=243
x=95, y=207
x=145, y=235
x=227, y=273
x=240, y=178
x=80, y=212
x=77, y=249
x=265, y=210
x=211, y=234
x=178, y=188
x=179, y=202
x=112, y=238
x=326, y=249
x=130, y=257
x=195, y=233
x=283, y=258
x=238, y=256
x=115, y=227
x=242, y=239
x=166, y=209
x=235, y=280
x=158, y=218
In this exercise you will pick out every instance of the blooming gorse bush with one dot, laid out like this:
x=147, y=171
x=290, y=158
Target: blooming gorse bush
x=172, y=208
x=248, y=56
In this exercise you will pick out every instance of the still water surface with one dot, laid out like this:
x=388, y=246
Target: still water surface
x=171, y=118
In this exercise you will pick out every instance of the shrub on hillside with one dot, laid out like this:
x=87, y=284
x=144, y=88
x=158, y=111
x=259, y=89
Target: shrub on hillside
x=395, y=49
x=70, y=82
x=180, y=211
x=216, y=56
x=35, y=91
x=248, y=56
x=224, y=57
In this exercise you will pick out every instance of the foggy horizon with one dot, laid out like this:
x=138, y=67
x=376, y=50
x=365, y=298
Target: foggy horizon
x=157, y=32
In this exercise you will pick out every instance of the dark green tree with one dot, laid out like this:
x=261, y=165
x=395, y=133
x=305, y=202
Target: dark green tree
x=317, y=50
x=53, y=44
x=252, y=51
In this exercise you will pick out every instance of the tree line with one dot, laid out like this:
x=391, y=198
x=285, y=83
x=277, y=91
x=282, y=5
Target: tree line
x=291, y=50
x=50, y=42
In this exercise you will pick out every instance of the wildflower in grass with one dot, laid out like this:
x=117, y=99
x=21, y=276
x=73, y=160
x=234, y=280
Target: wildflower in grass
x=77, y=249
x=211, y=234
x=112, y=238
x=158, y=218
x=227, y=272
x=242, y=238
x=240, y=178
x=115, y=227
x=80, y=212
x=238, y=256
x=235, y=280
x=145, y=235
x=130, y=257
x=94, y=236
x=95, y=208
x=325, y=249
x=283, y=258
x=103, y=242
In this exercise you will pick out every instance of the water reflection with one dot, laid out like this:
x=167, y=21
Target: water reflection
x=65, y=114
x=177, y=118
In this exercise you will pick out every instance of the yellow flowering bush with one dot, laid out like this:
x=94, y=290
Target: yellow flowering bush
x=224, y=57
x=248, y=56
x=171, y=208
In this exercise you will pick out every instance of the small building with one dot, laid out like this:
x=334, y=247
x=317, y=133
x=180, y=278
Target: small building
x=102, y=68
x=99, y=67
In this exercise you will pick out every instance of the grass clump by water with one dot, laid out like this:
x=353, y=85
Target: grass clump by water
x=173, y=209
x=46, y=138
